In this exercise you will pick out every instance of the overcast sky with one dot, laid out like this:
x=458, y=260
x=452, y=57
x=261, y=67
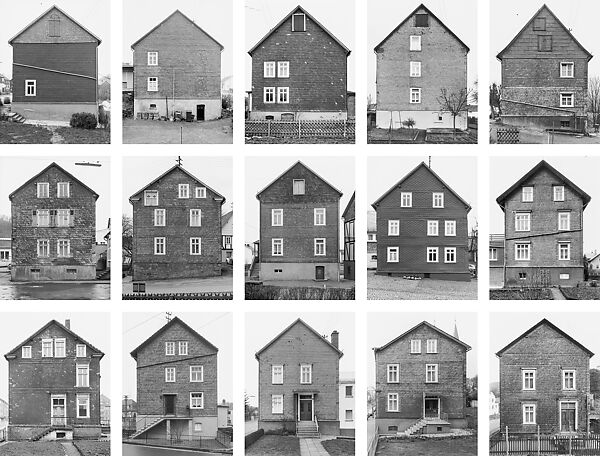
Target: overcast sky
x=217, y=328
x=216, y=172
x=337, y=16
x=262, y=327
x=510, y=16
x=460, y=16
x=460, y=173
x=580, y=170
x=506, y=327
x=212, y=16
x=93, y=327
x=261, y=171
x=92, y=14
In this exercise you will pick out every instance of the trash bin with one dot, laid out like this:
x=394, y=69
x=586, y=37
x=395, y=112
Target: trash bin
x=189, y=116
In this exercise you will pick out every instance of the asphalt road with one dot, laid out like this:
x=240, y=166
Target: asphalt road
x=47, y=290
x=139, y=450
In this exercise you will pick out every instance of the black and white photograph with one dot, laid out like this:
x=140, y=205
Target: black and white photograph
x=177, y=383
x=422, y=395
x=55, y=73
x=422, y=228
x=297, y=241
x=299, y=72
x=544, y=384
x=422, y=72
x=177, y=72
x=544, y=228
x=55, y=384
x=300, y=384
x=544, y=81
x=55, y=228
x=177, y=228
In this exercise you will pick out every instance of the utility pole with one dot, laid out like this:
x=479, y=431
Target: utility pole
x=430, y=162
x=168, y=315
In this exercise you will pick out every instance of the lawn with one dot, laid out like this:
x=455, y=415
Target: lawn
x=581, y=293
x=257, y=291
x=527, y=294
x=339, y=447
x=275, y=445
x=464, y=446
x=32, y=449
x=384, y=287
x=16, y=133
x=80, y=136
x=92, y=447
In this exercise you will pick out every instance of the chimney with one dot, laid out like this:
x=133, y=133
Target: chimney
x=68, y=324
x=335, y=339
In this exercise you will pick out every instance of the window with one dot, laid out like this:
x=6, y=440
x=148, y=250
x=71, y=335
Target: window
x=432, y=227
x=198, y=427
x=152, y=58
x=406, y=199
x=564, y=276
x=568, y=380
x=170, y=348
x=60, y=348
x=54, y=25
x=47, y=348
x=528, y=379
x=298, y=22
x=277, y=374
x=200, y=192
x=349, y=415
x=422, y=20
x=43, y=217
x=269, y=94
x=26, y=351
x=544, y=43
x=567, y=69
x=415, y=95
x=539, y=24
x=195, y=217
x=277, y=404
x=151, y=198
x=522, y=221
x=392, y=402
x=432, y=346
x=431, y=373
x=276, y=247
x=527, y=194
x=523, y=252
x=43, y=190
x=269, y=69
x=564, y=251
x=393, y=373
x=320, y=246
x=63, y=248
x=43, y=247
x=153, y=84
x=196, y=374
x=522, y=276
x=63, y=217
x=393, y=254
x=160, y=217
x=349, y=391
x=529, y=413
x=415, y=346
x=83, y=406
x=298, y=187
x=170, y=374
x=564, y=221
x=449, y=254
x=450, y=227
x=80, y=351
x=438, y=199
x=559, y=192
x=196, y=400
x=83, y=375
x=184, y=191
x=393, y=227
x=30, y=87
x=493, y=254
x=283, y=94
x=306, y=373
x=567, y=99
x=415, y=42
x=565, y=124
x=160, y=247
x=183, y=348
x=276, y=217
x=319, y=216
x=371, y=237
x=283, y=69
x=62, y=190
x=432, y=254
x=195, y=246
x=415, y=69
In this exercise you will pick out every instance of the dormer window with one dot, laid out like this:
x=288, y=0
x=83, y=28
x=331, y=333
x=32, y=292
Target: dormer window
x=299, y=187
x=422, y=20
x=54, y=25
x=299, y=22
x=539, y=24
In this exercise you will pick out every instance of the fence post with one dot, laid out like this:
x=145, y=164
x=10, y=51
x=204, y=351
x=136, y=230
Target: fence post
x=570, y=445
x=268, y=128
x=538, y=439
x=506, y=440
x=299, y=128
x=345, y=127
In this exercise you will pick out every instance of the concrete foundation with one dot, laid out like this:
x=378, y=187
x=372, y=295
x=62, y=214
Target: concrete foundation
x=34, y=273
x=496, y=277
x=164, y=271
x=26, y=432
x=457, y=277
x=402, y=424
x=566, y=277
x=298, y=271
x=53, y=111
x=557, y=122
x=212, y=108
x=325, y=427
x=185, y=428
x=423, y=119
x=300, y=115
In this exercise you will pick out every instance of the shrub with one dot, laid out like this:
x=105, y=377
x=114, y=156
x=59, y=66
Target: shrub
x=409, y=123
x=84, y=120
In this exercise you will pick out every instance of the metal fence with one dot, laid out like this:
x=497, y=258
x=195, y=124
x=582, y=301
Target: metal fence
x=182, y=441
x=507, y=136
x=225, y=295
x=301, y=128
x=533, y=445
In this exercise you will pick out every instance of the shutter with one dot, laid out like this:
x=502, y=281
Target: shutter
x=72, y=217
x=34, y=218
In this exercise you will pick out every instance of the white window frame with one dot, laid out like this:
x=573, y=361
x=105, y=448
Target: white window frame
x=87, y=378
x=87, y=403
x=303, y=186
x=393, y=398
x=61, y=243
x=200, y=192
x=431, y=373
x=437, y=197
x=48, y=343
x=30, y=84
x=433, y=228
x=47, y=245
x=276, y=217
x=193, y=217
x=196, y=407
x=564, y=379
x=561, y=214
x=433, y=250
x=43, y=217
x=527, y=194
x=567, y=66
x=170, y=375
x=152, y=58
x=183, y=347
x=160, y=241
x=415, y=42
x=285, y=92
x=195, y=246
x=415, y=346
x=526, y=250
x=564, y=103
x=62, y=188
x=405, y=199
x=415, y=69
x=147, y=200
x=196, y=374
x=529, y=409
x=269, y=95
x=81, y=351
x=528, y=376
x=308, y=371
x=283, y=69
x=390, y=254
x=318, y=214
x=432, y=345
x=57, y=343
x=183, y=191
x=568, y=251
x=450, y=251
x=393, y=373
x=152, y=84
x=450, y=227
x=318, y=242
x=304, y=27
x=576, y=413
x=416, y=99
x=279, y=242
x=522, y=221
x=46, y=192
x=351, y=413
x=276, y=372
x=277, y=404
x=269, y=69
x=558, y=192
x=169, y=348
x=63, y=217
x=26, y=352
x=393, y=227
x=157, y=216
x=493, y=254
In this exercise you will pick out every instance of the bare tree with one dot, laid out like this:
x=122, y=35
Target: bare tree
x=594, y=98
x=127, y=235
x=454, y=102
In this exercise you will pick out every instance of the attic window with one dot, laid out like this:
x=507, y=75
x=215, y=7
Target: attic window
x=298, y=186
x=539, y=24
x=422, y=20
x=544, y=43
x=299, y=22
x=54, y=25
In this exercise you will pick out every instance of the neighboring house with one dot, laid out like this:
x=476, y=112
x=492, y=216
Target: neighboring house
x=347, y=403
x=127, y=84
x=128, y=415
x=176, y=385
x=225, y=415
x=299, y=227
x=371, y=240
x=298, y=382
x=55, y=68
x=3, y=414
x=54, y=386
x=227, y=237
x=299, y=72
x=494, y=404
x=104, y=411
x=543, y=225
x=177, y=67
x=5, y=251
x=53, y=218
x=421, y=382
x=176, y=228
x=422, y=228
x=545, y=76
x=544, y=383
x=496, y=258
x=349, y=240
x=415, y=62
x=593, y=264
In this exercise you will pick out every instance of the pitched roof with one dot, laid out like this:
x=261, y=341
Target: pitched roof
x=554, y=327
x=185, y=17
x=421, y=165
x=226, y=217
x=299, y=8
x=185, y=172
x=54, y=7
x=53, y=164
x=177, y=320
x=371, y=221
x=543, y=164
x=594, y=257
x=430, y=326
x=61, y=326
x=350, y=203
x=289, y=169
x=302, y=322
x=421, y=6
x=544, y=7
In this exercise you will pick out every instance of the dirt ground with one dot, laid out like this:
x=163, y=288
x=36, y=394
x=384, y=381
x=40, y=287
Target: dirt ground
x=16, y=133
x=339, y=447
x=466, y=446
x=218, y=131
x=275, y=445
x=532, y=136
x=384, y=287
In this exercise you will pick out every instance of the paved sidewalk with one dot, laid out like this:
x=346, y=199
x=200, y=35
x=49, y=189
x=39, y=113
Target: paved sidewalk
x=557, y=294
x=70, y=449
x=312, y=447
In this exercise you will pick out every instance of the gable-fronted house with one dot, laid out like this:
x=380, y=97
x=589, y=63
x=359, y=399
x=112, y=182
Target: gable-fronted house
x=298, y=382
x=176, y=228
x=299, y=72
x=227, y=233
x=299, y=227
x=177, y=67
x=54, y=386
x=421, y=380
x=415, y=62
x=545, y=76
x=347, y=411
x=543, y=223
x=53, y=218
x=544, y=382
x=594, y=265
x=55, y=68
x=176, y=385
x=422, y=228
x=349, y=240
x=5, y=251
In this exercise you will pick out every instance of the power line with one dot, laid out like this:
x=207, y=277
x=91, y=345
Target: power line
x=143, y=322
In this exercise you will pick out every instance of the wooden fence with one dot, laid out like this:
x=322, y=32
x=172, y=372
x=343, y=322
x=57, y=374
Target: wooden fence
x=301, y=128
x=507, y=136
x=534, y=445
x=224, y=295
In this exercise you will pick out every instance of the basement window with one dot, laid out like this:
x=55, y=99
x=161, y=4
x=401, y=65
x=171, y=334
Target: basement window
x=392, y=428
x=422, y=20
x=71, y=271
x=522, y=276
x=299, y=22
x=565, y=124
x=539, y=24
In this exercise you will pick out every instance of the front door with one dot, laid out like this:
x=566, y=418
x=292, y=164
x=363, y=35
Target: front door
x=58, y=413
x=169, y=404
x=200, y=112
x=568, y=417
x=320, y=273
x=432, y=407
x=306, y=408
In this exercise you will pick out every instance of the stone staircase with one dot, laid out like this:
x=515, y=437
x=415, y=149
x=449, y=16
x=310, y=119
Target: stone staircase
x=147, y=427
x=415, y=428
x=307, y=430
x=16, y=117
x=103, y=275
x=41, y=434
